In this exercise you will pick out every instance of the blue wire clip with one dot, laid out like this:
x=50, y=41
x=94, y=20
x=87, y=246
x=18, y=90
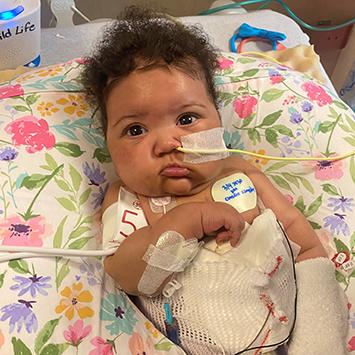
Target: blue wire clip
x=171, y=326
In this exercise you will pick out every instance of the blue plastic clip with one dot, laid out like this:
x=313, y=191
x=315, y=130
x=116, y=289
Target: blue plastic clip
x=171, y=326
x=247, y=31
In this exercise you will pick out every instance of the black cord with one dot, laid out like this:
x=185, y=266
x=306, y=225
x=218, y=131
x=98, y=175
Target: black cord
x=295, y=313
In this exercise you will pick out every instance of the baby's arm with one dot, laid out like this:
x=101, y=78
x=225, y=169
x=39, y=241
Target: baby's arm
x=321, y=322
x=191, y=220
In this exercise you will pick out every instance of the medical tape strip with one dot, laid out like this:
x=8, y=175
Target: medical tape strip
x=172, y=253
x=208, y=139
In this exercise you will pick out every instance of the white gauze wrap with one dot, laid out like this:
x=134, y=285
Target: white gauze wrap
x=172, y=253
x=321, y=324
x=208, y=139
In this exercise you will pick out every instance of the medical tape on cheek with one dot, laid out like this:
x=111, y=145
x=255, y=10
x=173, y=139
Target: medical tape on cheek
x=172, y=253
x=208, y=139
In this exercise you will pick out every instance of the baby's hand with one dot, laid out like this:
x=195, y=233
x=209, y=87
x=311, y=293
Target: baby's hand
x=223, y=221
x=198, y=219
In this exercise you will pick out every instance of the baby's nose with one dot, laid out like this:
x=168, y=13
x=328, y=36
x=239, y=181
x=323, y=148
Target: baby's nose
x=166, y=144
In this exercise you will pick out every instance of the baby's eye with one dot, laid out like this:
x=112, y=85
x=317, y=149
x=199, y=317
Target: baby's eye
x=135, y=130
x=186, y=119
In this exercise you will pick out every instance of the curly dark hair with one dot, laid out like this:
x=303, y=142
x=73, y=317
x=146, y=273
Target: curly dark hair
x=141, y=36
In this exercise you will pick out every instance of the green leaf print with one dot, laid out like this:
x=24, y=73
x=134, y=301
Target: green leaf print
x=251, y=72
x=45, y=333
x=272, y=95
x=271, y=136
x=21, y=108
x=31, y=99
x=78, y=232
x=330, y=189
x=19, y=347
x=271, y=118
x=281, y=182
x=283, y=130
x=50, y=161
x=254, y=135
x=84, y=196
x=314, y=206
x=340, y=105
x=34, y=181
x=352, y=168
x=326, y=126
x=352, y=241
x=165, y=346
x=66, y=203
x=20, y=266
x=102, y=155
x=341, y=246
x=300, y=204
x=69, y=149
x=58, y=236
x=79, y=243
x=2, y=277
x=63, y=272
x=75, y=177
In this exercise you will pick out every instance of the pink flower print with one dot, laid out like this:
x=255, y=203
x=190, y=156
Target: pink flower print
x=2, y=339
x=351, y=344
x=328, y=170
x=11, y=91
x=138, y=347
x=76, y=332
x=16, y=231
x=316, y=93
x=225, y=63
x=103, y=347
x=31, y=132
x=245, y=105
x=275, y=76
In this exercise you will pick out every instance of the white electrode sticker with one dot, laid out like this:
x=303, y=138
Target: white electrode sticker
x=236, y=190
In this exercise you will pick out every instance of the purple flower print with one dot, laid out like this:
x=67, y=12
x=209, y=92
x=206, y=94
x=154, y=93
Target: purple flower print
x=337, y=224
x=99, y=197
x=306, y=106
x=94, y=174
x=296, y=117
x=342, y=203
x=8, y=153
x=31, y=284
x=89, y=269
x=20, y=314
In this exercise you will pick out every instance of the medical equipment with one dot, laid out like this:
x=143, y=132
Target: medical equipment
x=20, y=33
x=172, y=253
x=228, y=6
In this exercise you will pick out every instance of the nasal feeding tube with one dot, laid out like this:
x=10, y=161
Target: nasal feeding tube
x=208, y=145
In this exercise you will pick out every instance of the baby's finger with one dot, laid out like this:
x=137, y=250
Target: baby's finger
x=223, y=237
x=234, y=239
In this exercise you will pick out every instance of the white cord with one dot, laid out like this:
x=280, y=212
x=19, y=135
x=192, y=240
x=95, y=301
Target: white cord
x=75, y=9
x=19, y=252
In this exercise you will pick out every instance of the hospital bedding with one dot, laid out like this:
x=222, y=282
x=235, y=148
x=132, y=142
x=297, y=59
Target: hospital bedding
x=55, y=170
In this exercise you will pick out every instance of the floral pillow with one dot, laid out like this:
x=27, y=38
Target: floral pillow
x=270, y=109
x=55, y=170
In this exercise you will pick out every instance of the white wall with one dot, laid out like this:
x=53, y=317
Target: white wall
x=95, y=9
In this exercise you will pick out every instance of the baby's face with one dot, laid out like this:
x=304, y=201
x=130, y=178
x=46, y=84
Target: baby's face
x=147, y=113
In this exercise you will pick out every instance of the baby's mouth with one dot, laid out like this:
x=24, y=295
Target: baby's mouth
x=174, y=171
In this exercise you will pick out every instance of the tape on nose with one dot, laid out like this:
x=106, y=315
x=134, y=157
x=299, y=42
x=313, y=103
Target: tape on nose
x=208, y=139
